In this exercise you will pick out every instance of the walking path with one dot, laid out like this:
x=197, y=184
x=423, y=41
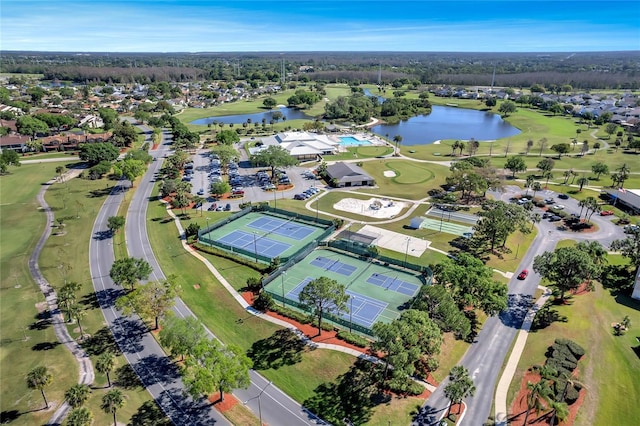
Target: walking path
x=87, y=374
x=512, y=363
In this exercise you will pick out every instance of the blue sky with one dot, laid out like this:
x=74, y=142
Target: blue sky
x=305, y=25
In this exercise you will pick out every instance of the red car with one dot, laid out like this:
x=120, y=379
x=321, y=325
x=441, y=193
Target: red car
x=606, y=213
x=523, y=274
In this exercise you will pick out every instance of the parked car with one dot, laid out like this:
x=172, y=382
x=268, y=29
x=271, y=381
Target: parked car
x=628, y=229
x=197, y=205
x=549, y=200
x=227, y=207
x=546, y=215
x=558, y=207
x=555, y=218
x=563, y=196
x=606, y=213
x=299, y=197
x=212, y=207
x=522, y=275
x=201, y=191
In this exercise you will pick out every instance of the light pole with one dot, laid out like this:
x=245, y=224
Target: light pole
x=406, y=253
x=282, y=276
x=255, y=247
x=259, y=405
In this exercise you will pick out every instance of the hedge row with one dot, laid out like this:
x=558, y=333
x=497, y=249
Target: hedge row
x=260, y=267
x=354, y=339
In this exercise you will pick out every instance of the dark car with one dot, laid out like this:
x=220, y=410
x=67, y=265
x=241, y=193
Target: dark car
x=554, y=218
x=197, y=205
x=227, y=207
x=212, y=207
x=563, y=196
x=299, y=197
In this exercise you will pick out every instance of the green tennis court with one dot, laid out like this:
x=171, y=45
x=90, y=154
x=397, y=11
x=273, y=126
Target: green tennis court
x=263, y=236
x=377, y=292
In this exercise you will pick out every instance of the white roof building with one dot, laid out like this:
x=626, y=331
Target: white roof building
x=301, y=145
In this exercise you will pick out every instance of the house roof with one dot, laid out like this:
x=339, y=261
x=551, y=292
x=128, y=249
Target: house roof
x=347, y=172
x=10, y=140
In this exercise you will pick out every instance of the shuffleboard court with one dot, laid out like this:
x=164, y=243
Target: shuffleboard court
x=333, y=266
x=261, y=245
x=286, y=228
x=393, y=284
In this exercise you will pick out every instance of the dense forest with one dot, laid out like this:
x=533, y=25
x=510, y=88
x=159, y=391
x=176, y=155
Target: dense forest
x=583, y=70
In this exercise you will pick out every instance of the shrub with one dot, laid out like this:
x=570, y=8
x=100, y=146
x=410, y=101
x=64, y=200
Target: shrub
x=290, y=313
x=352, y=338
x=192, y=229
x=260, y=267
x=263, y=302
x=576, y=349
x=254, y=283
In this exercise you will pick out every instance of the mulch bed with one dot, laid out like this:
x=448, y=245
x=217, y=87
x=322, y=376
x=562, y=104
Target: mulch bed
x=519, y=406
x=229, y=402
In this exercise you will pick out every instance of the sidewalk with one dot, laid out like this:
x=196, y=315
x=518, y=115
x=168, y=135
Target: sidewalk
x=501, y=413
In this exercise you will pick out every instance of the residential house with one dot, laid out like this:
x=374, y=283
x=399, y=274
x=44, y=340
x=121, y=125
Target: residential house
x=16, y=143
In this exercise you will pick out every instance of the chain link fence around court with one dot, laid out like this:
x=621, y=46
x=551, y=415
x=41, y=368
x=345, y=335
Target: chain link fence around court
x=267, y=210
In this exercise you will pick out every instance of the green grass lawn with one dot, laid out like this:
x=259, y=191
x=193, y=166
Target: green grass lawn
x=412, y=180
x=21, y=303
x=610, y=367
x=78, y=202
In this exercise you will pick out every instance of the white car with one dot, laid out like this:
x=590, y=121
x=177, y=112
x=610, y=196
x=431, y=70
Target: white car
x=558, y=207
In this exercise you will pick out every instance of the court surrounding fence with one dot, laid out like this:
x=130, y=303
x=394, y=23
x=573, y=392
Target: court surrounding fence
x=365, y=250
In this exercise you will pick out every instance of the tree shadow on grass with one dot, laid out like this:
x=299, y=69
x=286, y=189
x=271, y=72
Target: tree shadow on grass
x=42, y=322
x=546, y=316
x=44, y=346
x=149, y=414
x=352, y=397
x=100, y=342
x=9, y=416
x=127, y=378
x=282, y=348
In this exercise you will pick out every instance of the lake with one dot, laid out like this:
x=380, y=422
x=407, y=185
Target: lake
x=448, y=123
x=290, y=113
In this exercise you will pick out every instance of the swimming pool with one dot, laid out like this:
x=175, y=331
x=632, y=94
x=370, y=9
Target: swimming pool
x=351, y=141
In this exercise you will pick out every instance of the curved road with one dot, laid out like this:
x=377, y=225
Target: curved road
x=485, y=357
x=276, y=407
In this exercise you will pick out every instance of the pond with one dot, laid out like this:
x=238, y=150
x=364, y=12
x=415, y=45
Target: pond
x=289, y=113
x=447, y=123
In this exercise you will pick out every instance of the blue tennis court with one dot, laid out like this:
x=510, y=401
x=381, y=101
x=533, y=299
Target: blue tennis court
x=364, y=310
x=251, y=242
x=286, y=228
x=333, y=266
x=393, y=284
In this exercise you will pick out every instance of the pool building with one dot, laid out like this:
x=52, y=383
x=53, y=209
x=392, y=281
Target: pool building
x=307, y=146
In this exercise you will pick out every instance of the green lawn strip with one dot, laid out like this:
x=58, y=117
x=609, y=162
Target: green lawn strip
x=412, y=180
x=517, y=245
x=85, y=197
x=315, y=368
x=22, y=224
x=400, y=410
x=49, y=155
x=589, y=318
x=451, y=351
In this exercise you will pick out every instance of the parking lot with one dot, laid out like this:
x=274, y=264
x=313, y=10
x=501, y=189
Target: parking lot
x=247, y=183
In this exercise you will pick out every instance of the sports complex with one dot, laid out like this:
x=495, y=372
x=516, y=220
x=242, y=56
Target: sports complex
x=379, y=288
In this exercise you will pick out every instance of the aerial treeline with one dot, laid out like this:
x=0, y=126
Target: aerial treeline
x=582, y=70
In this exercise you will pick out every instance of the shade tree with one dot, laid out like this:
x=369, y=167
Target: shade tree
x=274, y=157
x=39, y=378
x=565, y=268
x=181, y=335
x=323, y=296
x=129, y=270
x=515, y=164
x=151, y=300
x=460, y=386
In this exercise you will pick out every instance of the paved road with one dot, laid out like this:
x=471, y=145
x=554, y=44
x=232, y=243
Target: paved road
x=160, y=377
x=485, y=357
x=277, y=408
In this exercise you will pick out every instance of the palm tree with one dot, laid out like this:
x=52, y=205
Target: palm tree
x=538, y=394
x=77, y=313
x=547, y=175
x=536, y=187
x=560, y=410
x=111, y=402
x=529, y=145
x=105, y=364
x=567, y=175
x=77, y=395
x=398, y=140
x=530, y=180
x=199, y=200
x=535, y=218
x=582, y=182
x=80, y=417
x=39, y=378
x=454, y=146
x=460, y=386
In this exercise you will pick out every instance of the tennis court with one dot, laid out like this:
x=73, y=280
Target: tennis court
x=261, y=245
x=393, y=284
x=287, y=228
x=361, y=309
x=377, y=292
x=263, y=235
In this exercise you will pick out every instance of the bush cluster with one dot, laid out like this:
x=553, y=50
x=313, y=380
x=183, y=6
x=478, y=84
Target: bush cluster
x=352, y=338
x=260, y=267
